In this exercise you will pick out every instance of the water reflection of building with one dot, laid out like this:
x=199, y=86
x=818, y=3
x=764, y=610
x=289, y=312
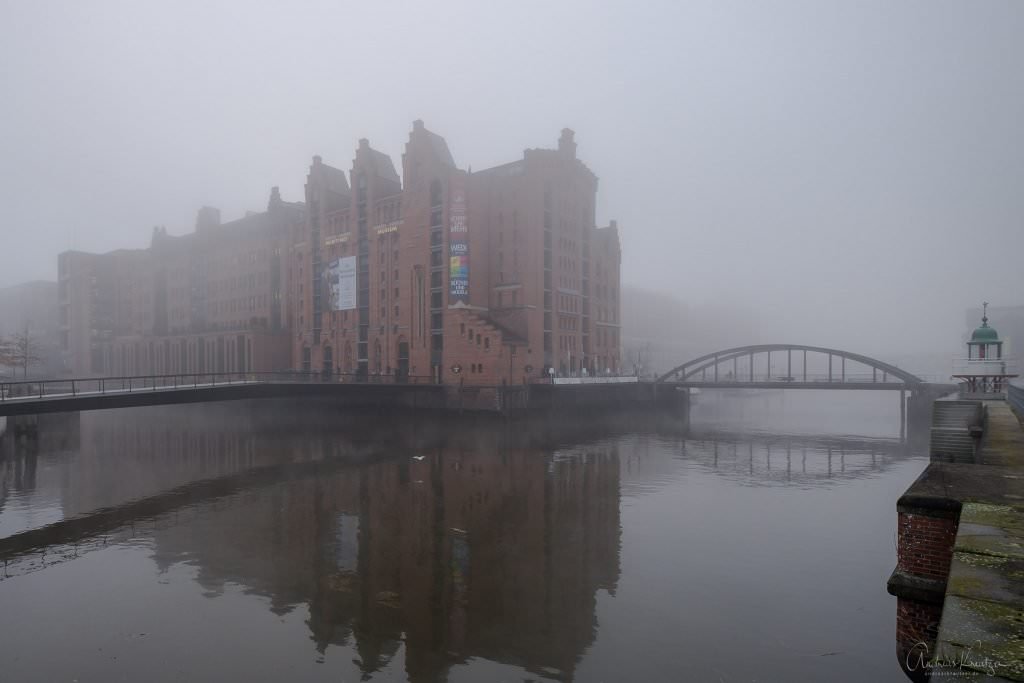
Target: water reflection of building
x=31, y=451
x=487, y=547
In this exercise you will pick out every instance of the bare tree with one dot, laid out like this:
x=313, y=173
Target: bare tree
x=24, y=351
x=7, y=352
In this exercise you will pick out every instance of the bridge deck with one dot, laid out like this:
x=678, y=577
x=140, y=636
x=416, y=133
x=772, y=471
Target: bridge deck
x=864, y=386
x=200, y=393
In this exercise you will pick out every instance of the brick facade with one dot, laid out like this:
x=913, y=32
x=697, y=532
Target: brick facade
x=208, y=301
x=924, y=551
x=925, y=544
x=542, y=283
x=511, y=253
x=917, y=628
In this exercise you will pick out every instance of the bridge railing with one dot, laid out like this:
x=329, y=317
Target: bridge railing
x=1015, y=396
x=795, y=378
x=92, y=386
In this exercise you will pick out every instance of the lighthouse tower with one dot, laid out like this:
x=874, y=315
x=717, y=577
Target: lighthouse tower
x=983, y=374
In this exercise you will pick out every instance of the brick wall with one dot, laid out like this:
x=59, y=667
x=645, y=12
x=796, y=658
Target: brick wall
x=917, y=627
x=481, y=352
x=925, y=543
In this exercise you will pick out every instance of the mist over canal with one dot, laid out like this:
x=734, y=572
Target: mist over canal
x=256, y=542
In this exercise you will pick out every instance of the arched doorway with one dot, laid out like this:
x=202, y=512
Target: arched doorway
x=402, y=372
x=328, y=361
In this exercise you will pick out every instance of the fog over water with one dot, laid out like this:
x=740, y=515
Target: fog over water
x=251, y=541
x=846, y=175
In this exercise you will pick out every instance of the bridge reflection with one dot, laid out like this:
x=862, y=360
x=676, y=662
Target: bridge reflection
x=409, y=542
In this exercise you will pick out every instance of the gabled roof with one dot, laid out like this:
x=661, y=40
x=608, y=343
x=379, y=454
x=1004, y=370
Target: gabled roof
x=440, y=147
x=335, y=179
x=383, y=166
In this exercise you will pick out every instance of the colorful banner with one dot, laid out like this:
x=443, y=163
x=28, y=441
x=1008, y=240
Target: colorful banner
x=458, y=241
x=341, y=284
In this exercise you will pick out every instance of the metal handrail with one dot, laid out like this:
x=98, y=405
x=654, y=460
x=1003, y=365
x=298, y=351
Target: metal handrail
x=817, y=378
x=77, y=386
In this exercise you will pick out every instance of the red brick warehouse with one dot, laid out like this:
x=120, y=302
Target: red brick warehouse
x=488, y=277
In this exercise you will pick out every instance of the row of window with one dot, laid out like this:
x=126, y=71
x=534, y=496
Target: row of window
x=567, y=343
x=236, y=305
x=568, y=323
x=569, y=304
x=469, y=334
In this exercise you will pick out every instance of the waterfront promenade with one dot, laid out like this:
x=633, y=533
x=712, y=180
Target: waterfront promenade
x=960, y=573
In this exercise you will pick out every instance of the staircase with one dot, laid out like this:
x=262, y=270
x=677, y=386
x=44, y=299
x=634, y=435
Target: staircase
x=953, y=422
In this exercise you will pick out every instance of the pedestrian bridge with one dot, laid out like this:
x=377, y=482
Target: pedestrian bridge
x=793, y=366
x=100, y=393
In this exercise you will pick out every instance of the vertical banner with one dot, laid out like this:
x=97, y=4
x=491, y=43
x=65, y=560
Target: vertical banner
x=458, y=241
x=341, y=284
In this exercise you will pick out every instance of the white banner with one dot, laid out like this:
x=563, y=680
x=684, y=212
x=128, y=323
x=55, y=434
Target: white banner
x=341, y=284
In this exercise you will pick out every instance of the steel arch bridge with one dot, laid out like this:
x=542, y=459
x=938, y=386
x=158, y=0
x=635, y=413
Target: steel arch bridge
x=739, y=368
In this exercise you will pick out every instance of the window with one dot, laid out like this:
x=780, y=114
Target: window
x=487, y=342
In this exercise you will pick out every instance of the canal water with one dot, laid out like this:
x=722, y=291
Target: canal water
x=272, y=541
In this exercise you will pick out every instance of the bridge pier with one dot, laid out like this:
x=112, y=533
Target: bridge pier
x=903, y=415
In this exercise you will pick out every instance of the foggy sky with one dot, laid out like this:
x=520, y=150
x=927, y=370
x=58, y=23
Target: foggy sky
x=850, y=174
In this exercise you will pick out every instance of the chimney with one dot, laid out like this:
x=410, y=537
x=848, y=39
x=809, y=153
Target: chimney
x=417, y=124
x=317, y=160
x=613, y=224
x=275, y=198
x=364, y=143
x=566, y=145
x=208, y=217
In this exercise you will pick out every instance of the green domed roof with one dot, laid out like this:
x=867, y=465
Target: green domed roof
x=985, y=334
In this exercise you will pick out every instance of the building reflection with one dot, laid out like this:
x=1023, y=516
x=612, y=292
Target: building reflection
x=448, y=544
x=403, y=540
x=29, y=447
